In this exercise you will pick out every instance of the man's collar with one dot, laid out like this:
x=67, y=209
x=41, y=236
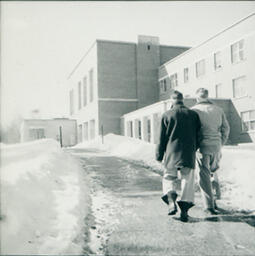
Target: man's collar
x=177, y=104
x=204, y=101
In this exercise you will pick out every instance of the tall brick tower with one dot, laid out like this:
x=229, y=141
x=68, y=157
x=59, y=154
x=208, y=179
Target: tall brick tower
x=148, y=61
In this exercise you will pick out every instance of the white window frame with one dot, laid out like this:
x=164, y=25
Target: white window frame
x=235, y=90
x=200, y=68
x=237, y=51
x=186, y=75
x=162, y=85
x=79, y=95
x=173, y=81
x=91, y=85
x=86, y=131
x=85, y=91
x=71, y=99
x=217, y=60
x=247, y=122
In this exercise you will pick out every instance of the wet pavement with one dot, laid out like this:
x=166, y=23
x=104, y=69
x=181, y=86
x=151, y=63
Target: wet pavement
x=129, y=217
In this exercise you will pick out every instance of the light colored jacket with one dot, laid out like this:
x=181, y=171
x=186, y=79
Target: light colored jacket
x=215, y=128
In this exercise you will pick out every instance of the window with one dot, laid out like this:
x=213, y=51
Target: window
x=36, y=133
x=84, y=91
x=139, y=129
x=173, y=81
x=239, y=87
x=237, y=51
x=130, y=128
x=71, y=102
x=217, y=60
x=186, y=75
x=218, y=91
x=92, y=129
x=79, y=95
x=248, y=120
x=80, y=133
x=200, y=68
x=162, y=86
x=91, y=85
x=86, y=130
x=149, y=129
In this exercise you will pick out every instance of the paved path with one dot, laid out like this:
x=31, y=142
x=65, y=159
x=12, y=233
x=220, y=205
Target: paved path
x=130, y=218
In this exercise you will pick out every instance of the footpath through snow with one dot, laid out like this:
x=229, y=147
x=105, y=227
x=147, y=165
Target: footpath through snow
x=237, y=173
x=44, y=198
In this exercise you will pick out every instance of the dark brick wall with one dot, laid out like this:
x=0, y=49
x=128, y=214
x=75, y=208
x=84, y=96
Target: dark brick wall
x=110, y=115
x=169, y=52
x=148, y=61
x=116, y=70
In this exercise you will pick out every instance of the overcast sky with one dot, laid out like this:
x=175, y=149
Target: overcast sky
x=41, y=42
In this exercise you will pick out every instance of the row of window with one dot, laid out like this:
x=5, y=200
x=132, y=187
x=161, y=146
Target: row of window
x=238, y=85
x=139, y=130
x=86, y=131
x=85, y=93
x=134, y=128
x=237, y=54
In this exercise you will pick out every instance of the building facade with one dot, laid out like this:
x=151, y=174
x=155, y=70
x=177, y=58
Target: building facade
x=144, y=123
x=114, y=78
x=34, y=129
x=224, y=64
x=123, y=88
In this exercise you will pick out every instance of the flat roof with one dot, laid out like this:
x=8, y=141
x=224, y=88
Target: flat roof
x=116, y=42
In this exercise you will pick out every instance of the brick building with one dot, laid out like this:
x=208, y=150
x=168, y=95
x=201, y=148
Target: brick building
x=224, y=64
x=114, y=78
x=125, y=87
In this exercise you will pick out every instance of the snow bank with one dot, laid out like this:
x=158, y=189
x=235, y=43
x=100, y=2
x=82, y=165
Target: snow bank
x=43, y=202
x=237, y=173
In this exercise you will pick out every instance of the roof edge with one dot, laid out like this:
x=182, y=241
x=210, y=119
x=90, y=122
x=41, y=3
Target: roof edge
x=207, y=40
x=82, y=58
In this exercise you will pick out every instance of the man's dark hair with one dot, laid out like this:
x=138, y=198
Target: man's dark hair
x=202, y=93
x=176, y=95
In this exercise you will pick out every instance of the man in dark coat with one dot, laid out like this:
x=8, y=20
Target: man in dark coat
x=179, y=139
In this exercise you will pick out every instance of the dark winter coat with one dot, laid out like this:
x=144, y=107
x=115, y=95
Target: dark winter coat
x=179, y=137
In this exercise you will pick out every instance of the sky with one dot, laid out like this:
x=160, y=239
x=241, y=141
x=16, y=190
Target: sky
x=41, y=42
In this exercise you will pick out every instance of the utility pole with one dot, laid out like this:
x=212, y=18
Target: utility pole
x=60, y=136
x=102, y=133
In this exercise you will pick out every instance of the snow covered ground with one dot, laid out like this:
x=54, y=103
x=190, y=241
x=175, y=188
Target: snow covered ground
x=44, y=198
x=237, y=172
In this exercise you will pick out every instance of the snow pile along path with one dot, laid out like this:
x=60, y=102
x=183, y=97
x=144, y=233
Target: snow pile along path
x=237, y=173
x=42, y=202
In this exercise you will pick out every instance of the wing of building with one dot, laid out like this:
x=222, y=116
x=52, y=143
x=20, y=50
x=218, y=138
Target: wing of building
x=114, y=78
x=123, y=87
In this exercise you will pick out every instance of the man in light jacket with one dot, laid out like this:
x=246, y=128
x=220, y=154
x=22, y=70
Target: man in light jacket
x=214, y=134
x=177, y=146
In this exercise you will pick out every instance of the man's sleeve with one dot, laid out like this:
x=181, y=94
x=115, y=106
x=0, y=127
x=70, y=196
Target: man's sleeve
x=163, y=139
x=198, y=132
x=224, y=129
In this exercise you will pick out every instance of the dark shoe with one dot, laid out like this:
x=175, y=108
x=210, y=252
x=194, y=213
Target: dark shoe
x=173, y=211
x=185, y=206
x=165, y=199
x=211, y=211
